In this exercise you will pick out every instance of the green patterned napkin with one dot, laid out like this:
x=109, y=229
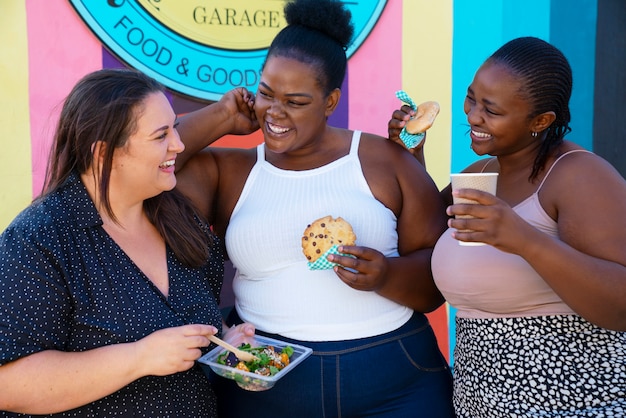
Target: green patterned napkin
x=409, y=140
x=322, y=263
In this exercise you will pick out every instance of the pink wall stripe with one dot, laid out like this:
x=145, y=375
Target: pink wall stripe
x=373, y=82
x=61, y=50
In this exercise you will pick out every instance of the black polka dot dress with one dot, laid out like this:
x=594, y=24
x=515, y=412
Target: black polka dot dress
x=66, y=285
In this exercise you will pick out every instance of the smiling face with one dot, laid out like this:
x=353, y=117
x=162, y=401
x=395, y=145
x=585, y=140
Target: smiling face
x=144, y=166
x=497, y=112
x=291, y=106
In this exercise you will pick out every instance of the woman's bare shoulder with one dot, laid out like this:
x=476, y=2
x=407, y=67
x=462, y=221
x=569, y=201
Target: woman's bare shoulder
x=576, y=164
x=234, y=163
x=486, y=165
x=378, y=147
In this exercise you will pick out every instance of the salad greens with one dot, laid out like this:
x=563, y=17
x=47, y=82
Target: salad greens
x=270, y=360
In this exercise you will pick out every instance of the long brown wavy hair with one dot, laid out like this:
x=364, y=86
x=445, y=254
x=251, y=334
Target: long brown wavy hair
x=102, y=106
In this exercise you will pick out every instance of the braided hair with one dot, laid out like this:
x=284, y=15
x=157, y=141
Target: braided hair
x=318, y=33
x=546, y=82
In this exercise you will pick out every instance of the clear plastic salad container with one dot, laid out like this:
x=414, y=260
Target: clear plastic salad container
x=253, y=381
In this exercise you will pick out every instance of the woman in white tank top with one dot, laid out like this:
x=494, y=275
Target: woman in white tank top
x=374, y=353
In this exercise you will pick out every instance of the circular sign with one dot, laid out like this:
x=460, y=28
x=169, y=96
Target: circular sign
x=197, y=48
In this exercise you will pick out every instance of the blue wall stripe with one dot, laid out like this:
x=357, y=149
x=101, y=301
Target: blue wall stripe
x=573, y=31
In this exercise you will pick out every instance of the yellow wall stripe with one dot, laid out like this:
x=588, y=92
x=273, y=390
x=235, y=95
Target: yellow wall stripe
x=427, y=75
x=15, y=169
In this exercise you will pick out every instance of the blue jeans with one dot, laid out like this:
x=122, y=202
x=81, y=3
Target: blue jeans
x=396, y=375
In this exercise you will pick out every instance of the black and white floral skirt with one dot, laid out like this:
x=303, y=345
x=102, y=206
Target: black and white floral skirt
x=549, y=366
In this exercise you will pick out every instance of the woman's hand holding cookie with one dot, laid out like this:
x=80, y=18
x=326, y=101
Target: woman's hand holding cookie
x=362, y=268
x=408, y=125
x=398, y=121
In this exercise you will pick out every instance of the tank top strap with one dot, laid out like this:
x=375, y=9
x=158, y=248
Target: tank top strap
x=554, y=163
x=260, y=152
x=354, y=145
x=487, y=163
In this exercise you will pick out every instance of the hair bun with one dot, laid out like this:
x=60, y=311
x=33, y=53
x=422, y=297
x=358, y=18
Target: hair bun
x=327, y=16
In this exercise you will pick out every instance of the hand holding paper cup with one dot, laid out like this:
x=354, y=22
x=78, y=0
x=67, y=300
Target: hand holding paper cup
x=486, y=182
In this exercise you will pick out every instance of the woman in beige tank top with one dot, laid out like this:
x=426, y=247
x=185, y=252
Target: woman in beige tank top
x=541, y=328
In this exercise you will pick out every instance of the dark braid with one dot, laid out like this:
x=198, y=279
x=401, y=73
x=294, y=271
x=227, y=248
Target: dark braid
x=318, y=32
x=546, y=79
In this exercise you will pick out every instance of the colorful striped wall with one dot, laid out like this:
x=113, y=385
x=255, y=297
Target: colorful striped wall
x=428, y=48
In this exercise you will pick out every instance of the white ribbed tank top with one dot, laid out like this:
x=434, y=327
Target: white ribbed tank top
x=274, y=290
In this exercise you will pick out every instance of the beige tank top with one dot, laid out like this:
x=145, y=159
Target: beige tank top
x=484, y=282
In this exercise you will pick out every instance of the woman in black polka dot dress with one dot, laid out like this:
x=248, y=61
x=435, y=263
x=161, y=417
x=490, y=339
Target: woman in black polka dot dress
x=109, y=281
